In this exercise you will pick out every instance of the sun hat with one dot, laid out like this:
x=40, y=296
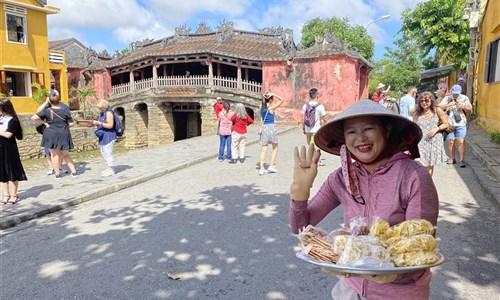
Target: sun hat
x=461, y=79
x=405, y=133
x=456, y=89
x=219, y=98
x=380, y=85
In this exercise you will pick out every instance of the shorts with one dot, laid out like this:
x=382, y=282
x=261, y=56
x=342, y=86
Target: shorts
x=268, y=135
x=46, y=152
x=459, y=132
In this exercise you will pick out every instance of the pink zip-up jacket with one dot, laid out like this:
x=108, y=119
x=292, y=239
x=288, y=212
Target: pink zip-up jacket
x=400, y=190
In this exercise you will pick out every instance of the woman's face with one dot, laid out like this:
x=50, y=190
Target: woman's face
x=366, y=139
x=425, y=102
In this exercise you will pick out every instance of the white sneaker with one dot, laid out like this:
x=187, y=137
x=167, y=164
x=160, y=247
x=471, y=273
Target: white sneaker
x=272, y=169
x=262, y=172
x=50, y=172
x=108, y=173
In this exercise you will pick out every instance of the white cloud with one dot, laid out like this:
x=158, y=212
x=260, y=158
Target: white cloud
x=124, y=21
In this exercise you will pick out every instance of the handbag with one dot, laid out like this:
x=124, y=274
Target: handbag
x=457, y=116
x=40, y=128
x=262, y=125
x=99, y=133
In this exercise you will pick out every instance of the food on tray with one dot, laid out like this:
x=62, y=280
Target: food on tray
x=410, y=243
x=313, y=244
x=361, y=247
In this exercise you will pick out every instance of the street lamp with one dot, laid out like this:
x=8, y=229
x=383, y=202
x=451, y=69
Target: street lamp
x=376, y=20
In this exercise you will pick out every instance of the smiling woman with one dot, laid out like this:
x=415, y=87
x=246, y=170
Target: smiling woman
x=382, y=182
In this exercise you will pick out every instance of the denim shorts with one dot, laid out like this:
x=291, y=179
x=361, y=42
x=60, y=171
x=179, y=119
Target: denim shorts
x=459, y=132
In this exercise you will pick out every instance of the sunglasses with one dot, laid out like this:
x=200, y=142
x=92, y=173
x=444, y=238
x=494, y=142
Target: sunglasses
x=425, y=101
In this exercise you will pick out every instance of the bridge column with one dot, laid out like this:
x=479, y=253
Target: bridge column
x=209, y=121
x=131, y=76
x=161, y=124
x=210, y=74
x=155, y=75
x=239, y=84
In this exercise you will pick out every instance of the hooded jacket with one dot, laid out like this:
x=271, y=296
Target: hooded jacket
x=399, y=190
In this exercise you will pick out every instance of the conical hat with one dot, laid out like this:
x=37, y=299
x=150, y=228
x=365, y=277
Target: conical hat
x=405, y=133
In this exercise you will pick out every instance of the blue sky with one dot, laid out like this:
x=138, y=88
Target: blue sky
x=113, y=24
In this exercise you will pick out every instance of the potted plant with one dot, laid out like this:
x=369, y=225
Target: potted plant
x=90, y=112
x=40, y=93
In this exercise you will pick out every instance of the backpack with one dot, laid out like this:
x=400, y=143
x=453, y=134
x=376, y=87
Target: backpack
x=120, y=130
x=310, y=115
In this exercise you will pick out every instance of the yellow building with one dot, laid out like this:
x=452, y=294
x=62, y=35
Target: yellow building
x=24, y=53
x=488, y=67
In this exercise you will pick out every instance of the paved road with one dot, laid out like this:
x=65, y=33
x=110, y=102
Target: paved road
x=223, y=230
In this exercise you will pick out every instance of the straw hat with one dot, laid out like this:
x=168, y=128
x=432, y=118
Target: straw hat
x=380, y=85
x=405, y=134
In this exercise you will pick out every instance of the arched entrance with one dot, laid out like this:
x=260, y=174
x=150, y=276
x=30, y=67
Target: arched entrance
x=187, y=120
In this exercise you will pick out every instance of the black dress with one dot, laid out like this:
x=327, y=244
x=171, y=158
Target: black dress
x=57, y=136
x=11, y=168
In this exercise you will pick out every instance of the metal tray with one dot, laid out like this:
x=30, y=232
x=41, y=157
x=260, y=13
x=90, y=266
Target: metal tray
x=368, y=271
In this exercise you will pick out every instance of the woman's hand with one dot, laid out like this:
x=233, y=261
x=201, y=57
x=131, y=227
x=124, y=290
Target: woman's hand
x=431, y=133
x=305, y=170
x=375, y=278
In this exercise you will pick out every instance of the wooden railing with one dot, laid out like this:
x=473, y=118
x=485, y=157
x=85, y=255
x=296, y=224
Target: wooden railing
x=194, y=81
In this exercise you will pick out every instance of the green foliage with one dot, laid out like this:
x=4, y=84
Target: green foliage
x=82, y=95
x=399, y=68
x=40, y=93
x=437, y=25
x=2, y=95
x=355, y=36
x=495, y=137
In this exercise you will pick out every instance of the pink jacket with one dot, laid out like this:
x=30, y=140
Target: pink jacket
x=400, y=190
x=225, y=125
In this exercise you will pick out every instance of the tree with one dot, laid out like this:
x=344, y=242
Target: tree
x=400, y=68
x=355, y=36
x=437, y=25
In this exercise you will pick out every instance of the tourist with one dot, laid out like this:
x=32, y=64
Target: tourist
x=218, y=107
x=455, y=107
x=433, y=121
x=382, y=181
x=11, y=168
x=240, y=120
x=379, y=94
x=407, y=103
x=57, y=136
x=225, y=131
x=46, y=150
x=270, y=102
x=106, y=133
x=319, y=115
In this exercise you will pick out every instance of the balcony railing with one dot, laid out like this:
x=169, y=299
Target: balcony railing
x=56, y=57
x=192, y=81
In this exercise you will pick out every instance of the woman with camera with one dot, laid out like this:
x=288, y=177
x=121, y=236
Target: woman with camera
x=270, y=102
x=455, y=107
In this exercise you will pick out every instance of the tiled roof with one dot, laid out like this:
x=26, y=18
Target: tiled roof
x=243, y=45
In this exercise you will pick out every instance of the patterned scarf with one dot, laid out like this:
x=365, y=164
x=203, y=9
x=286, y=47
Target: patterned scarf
x=349, y=174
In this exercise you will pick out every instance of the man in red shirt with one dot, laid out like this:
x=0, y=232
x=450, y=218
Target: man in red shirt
x=218, y=106
x=379, y=94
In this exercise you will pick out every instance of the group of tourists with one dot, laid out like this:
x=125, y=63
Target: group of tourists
x=441, y=117
x=54, y=119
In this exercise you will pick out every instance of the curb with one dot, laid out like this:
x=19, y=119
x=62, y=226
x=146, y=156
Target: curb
x=85, y=197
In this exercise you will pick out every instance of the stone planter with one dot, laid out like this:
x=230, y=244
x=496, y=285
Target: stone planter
x=85, y=123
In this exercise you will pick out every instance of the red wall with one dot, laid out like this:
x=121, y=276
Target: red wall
x=340, y=80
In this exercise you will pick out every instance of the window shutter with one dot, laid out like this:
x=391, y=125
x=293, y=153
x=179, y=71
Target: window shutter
x=487, y=63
